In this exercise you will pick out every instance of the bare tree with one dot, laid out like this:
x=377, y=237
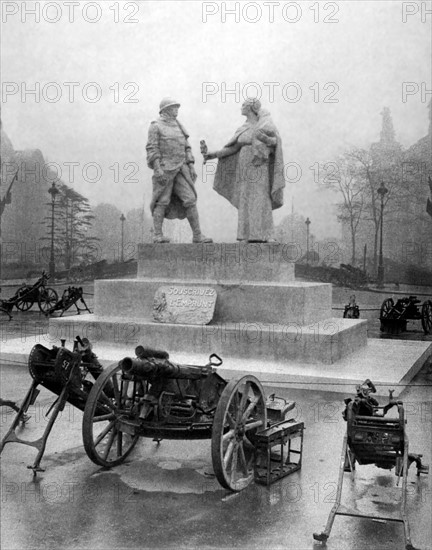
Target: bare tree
x=348, y=180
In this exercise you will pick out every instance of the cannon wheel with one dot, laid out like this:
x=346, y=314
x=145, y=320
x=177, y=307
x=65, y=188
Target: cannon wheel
x=24, y=298
x=109, y=401
x=386, y=307
x=240, y=413
x=426, y=316
x=48, y=297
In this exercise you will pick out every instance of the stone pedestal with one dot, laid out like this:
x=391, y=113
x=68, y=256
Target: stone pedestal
x=261, y=311
x=214, y=262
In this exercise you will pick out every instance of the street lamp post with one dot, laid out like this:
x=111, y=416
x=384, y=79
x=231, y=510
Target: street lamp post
x=307, y=222
x=382, y=191
x=53, y=191
x=122, y=219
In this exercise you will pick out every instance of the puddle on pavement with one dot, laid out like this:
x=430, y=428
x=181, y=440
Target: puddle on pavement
x=173, y=476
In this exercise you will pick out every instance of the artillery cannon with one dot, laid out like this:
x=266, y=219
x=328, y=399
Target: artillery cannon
x=149, y=396
x=373, y=438
x=394, y=317
x=27, y=295
x=70, y=297
x=351, y=310
x=62, y=372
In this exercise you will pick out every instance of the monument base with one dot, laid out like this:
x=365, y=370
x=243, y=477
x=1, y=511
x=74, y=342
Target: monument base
x=271, y=262
x=323, y=342
x=292, y=302
x=260, y=312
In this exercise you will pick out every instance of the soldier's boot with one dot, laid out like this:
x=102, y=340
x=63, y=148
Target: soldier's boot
x=193, y=219
x=158, y=218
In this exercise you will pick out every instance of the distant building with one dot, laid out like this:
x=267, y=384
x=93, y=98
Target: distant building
x=9, y=170
x=24, y=197
x=417, y=172
x=407, y=229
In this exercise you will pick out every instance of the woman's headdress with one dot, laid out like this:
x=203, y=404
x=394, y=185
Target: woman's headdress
x=254, y=103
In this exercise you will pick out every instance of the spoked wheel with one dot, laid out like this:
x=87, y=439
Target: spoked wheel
x=386, y=308
x=240, y=413
x=111, y=404
x=24, y=297
x=48, y=298
x=426, y=316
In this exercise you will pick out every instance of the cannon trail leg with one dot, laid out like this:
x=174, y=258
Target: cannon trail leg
x=41, y=443
x=324, y=535
x=7, y=311
x=21, y=416
x=408, y=544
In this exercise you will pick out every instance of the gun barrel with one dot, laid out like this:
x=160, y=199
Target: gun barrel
x=161, y=368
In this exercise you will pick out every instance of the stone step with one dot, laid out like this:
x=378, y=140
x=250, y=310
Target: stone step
x=390, y=364
x=322, y=342
x=292, y=302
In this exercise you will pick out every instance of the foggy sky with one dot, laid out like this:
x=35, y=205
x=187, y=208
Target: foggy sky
x=171, y=51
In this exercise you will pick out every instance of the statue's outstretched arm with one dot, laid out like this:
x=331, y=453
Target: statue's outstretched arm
x=228, y=151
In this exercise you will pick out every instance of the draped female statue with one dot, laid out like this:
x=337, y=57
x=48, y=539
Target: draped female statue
x=250, y=173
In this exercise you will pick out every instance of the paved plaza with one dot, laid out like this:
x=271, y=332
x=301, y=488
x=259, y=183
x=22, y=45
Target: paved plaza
x=166, y=496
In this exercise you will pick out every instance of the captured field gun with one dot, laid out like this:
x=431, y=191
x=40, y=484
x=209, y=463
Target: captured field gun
x=6, y=306
x=352, y=310
x=64, y=373
x=374, y=438
x=150, y=396
x=27, y=295
x=394, y=317
x=70, y=297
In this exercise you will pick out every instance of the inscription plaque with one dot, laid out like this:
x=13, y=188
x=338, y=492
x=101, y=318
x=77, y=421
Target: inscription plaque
x=187, y=305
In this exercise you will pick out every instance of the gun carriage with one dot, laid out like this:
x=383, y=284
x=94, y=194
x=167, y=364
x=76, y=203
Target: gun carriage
x=394, y=317
x=70, y=297
x=27, y=295
x=150, y=396
x=374, y=438
x=351, y=310
x=62, y=372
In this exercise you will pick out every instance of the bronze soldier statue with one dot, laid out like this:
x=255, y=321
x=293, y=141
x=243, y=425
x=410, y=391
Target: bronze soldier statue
x=170, y=157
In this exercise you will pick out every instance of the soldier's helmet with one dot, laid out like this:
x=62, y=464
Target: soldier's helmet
x=167, y=102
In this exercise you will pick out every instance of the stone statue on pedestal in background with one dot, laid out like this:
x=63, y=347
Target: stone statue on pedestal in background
x=250, y=173
x=170, y=157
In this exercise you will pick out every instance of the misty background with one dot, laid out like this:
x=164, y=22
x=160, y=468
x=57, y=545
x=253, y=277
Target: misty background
x=364, y=58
